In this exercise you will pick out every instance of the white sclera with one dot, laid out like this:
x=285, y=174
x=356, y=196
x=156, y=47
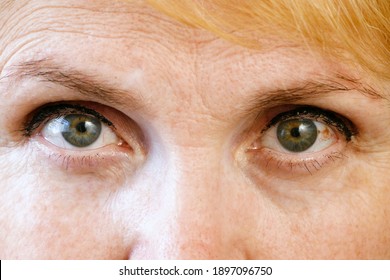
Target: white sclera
x=325, y=138
x=52, y=132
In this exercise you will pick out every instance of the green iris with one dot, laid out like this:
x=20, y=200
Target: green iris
x=80, y=130
x=297, y=135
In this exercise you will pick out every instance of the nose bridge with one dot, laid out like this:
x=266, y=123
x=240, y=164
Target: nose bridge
x=191, y=224
x=200, y=202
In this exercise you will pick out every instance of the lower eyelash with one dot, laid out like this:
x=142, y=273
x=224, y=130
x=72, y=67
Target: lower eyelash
x=68, y=162
x=268, y=160
x=94, y=168
x=77, y=163
x=92, y=160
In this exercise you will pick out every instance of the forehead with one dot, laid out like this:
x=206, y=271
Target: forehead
x=111, y=32
x=116, y=20
x=130, y=45
x=124, y=24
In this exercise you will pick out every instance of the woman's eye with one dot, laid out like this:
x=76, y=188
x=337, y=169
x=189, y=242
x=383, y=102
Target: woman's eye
x=78, y=131
x=304, y=130
x=78, y=137
x=299, y=135
x=300, y=140
x=75, y=126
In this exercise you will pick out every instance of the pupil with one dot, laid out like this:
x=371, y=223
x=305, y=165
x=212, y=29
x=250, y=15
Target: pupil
x=295, y=132
x=80, y=127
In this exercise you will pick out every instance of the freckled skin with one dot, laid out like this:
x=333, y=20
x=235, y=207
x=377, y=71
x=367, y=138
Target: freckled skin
x=195, y=192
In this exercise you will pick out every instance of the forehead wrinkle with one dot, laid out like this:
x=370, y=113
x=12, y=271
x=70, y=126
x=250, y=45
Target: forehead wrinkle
x=6, y=4
x=90, y=86
x=100, y=19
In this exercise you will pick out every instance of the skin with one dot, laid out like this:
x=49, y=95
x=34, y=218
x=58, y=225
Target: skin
x=184, y=186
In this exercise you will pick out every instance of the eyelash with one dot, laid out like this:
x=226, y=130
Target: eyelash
x=47, y=113
x=342, y=124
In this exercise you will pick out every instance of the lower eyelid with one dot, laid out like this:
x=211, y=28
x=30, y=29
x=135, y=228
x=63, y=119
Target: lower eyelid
x=288, y=165
x=79, y=162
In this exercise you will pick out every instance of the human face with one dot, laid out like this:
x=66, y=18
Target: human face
x=188, y=163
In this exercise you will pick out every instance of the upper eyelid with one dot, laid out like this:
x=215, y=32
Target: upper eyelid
x=330, y=118
x=57, y=110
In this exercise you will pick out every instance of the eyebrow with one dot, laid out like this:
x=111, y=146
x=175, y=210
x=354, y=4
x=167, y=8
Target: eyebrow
x=89, y=86
x=308, y=90
x=93, y=87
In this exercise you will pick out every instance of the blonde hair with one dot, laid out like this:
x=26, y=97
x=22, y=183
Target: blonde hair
x=358, y=30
